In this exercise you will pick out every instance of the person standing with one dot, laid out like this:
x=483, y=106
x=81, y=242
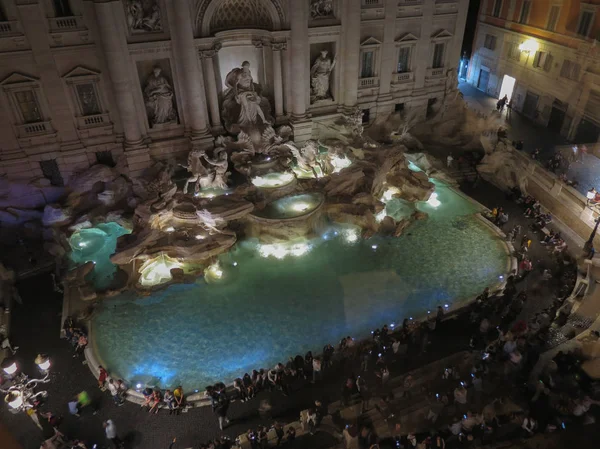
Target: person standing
x=111, y=433
x=221, y=409
x=449, y=160
x=102, y=376
x=316, y=366
x=114, y=392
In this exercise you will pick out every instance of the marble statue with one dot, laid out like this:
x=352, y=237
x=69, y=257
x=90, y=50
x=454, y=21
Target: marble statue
x=354, y=122
x=159, y=99
x=214, y=176
x=140, y=18
x=307, y=156
x=320, y=74
x=243, y=104
x=321, y=8
x=219, y=174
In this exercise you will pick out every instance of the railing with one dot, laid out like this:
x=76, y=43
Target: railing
x=10, y=27
x=90, y=121
x=371, y=3
x=405, y=77
x=435, y=73
x=66, y=23
x=368, y=82
x=34, y=129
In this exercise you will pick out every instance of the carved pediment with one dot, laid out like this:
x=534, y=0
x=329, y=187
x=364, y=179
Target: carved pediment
x=407, y=37
x=18, y=78
x=441, y=34
x=81, y=71
x=370, y=41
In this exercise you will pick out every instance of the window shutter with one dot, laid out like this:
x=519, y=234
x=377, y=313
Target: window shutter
x=548, y=62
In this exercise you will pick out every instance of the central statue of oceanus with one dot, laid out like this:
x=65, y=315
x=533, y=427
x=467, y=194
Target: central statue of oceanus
x=243, y=105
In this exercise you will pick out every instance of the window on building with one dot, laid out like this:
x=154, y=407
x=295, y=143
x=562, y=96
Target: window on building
x=51, y=172
x=438, y=56
x=553, y=17
x=28, y=106
x=585, y=23
x=367, y=63
x=2, y=13
x=88, y=99
x=62, y=8
x=404, y=60
x=497, y=8
x=570, y=70
x=430, y=110
x=399, y=107
x=105, y=158
x=366, y=113
x=525, y=11
x=542, y=60
x=490, y=42
x=513, y=52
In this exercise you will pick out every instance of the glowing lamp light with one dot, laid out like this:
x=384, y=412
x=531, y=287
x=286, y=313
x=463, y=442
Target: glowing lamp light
x=529, y=46
x=11, y=368
x=43, y=362
x=374, y=247
x=446, y=306
x=300, y=207
x=14, y=399
x=392, y=325
x=170, y=229
x=351, y=235
x=138, y=386
x=235, y=264
x=433, y=201
x=200, y=237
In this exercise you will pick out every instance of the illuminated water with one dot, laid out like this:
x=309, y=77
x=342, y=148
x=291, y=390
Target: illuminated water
x=96, y=245
x=266, y=309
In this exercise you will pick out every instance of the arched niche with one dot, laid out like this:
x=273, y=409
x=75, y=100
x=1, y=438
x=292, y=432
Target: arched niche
x=213, y=16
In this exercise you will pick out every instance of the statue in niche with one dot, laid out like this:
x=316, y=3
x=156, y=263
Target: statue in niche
x=159, y=99
x=321, y=8
x=320, y=74
x=243, y=104
x=143, y=15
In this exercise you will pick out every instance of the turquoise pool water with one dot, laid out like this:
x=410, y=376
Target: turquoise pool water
x=97, y=244
x=265, y=309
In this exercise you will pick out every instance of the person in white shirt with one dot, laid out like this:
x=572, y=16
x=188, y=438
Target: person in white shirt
x=114, y=392
x=449, y=160
x=316, y=369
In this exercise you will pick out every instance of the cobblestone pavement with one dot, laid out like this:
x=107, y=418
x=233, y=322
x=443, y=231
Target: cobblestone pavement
x=36, y=329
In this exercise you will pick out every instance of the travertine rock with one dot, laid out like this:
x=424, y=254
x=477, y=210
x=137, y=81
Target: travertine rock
x=55, y=215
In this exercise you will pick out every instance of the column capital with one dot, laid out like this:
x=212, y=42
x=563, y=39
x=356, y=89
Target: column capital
x=260, y=43
x=279, y=46
x=206, y=53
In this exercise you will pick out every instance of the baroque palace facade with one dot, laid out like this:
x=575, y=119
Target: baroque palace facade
x=88, y=81
x=545, y=55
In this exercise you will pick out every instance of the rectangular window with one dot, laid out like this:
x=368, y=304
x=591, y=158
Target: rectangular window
x=570, y=70
x=514, y=53
x=525, y=11
x=490, y=42
x=28, y=105
x=497, y=8
x=88, y=99
x=585, y=23
x=438, y=56
x=51, y=172
x=404, y=60
x=553, y=17
x=399, y=107
x=539, y=59
x=105, y=158
x=367, y=64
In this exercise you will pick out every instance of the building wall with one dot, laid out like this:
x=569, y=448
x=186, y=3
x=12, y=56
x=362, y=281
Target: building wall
x=566, y=102
x=54, y=61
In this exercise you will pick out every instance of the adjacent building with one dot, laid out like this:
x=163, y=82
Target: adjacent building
x=543, y=54
x=88, y=81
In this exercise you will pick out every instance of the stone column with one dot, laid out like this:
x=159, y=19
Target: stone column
x=299, y=55
x=423, y=56
x=211, y=85
x=389, y=56
x=188, y=66
x=287, y=81
x=111, y=21
x=351, y=25
x=278, y=78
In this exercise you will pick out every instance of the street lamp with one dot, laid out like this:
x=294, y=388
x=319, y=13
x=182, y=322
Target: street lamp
x=20, y=395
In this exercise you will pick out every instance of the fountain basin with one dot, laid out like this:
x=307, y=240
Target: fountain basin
x=287, y=218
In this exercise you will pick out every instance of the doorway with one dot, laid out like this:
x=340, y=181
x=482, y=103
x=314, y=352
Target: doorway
x=508, y=85
x=484, y=79
x=530, y=104
x=587, y=132
x=557, y=115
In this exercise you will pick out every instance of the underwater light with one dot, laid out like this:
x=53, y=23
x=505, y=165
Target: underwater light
x=281, y=250
x=300, y=207
x=433, y=201
x=200, y=237
x=214, y=271
x=446, y=306
x=170, y=229
x=82, y=244
x=235, y=264
x=374, y=246
x=351, y=235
